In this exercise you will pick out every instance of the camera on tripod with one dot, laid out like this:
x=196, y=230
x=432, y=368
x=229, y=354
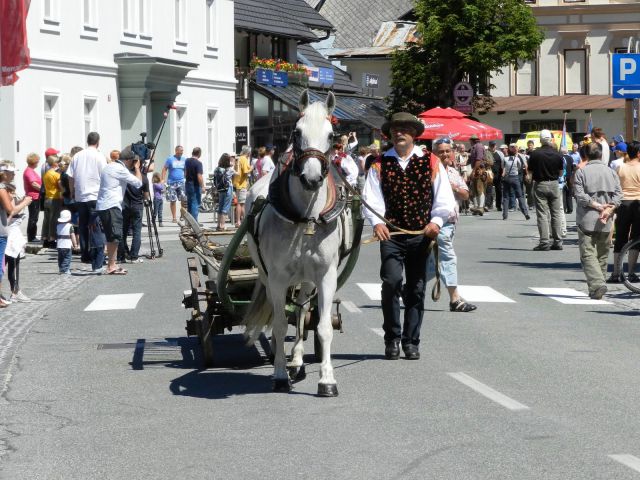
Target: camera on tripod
x=143, y=149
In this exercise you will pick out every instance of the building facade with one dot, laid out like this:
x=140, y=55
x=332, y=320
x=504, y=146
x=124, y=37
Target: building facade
x=572, y=71
x=114, y=66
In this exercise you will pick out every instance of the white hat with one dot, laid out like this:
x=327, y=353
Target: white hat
x=8, y=168
x=503, y=146
x=545, y=135
x=65, y=216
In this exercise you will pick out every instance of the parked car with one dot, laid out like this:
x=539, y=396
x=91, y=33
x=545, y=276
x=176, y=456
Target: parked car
x=535, y=136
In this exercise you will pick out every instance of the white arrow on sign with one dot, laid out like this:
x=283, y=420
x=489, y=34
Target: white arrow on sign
x=624, y=91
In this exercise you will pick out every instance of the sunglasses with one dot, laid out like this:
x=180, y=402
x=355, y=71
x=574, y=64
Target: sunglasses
x=440, y=141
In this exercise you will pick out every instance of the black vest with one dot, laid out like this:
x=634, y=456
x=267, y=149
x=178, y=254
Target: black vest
x=407, y=193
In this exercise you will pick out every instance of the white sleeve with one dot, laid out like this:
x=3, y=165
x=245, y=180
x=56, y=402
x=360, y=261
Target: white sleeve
x=127, y=176
x=443, y=203
x=372, y=194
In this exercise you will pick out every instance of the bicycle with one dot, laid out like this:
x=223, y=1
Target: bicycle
x=624, y=253
x=210, y=197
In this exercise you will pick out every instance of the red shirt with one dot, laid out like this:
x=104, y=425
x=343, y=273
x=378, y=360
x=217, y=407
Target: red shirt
x=30, y=176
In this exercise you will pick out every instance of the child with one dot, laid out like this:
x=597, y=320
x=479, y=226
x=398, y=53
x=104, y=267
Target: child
x=66, y=241
x=158, y=190
x=481, y=178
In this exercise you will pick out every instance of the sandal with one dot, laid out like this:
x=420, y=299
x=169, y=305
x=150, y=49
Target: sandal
x=461, y=306
x=117, y=271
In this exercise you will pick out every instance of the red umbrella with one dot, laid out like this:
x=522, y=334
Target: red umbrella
x=447, y=122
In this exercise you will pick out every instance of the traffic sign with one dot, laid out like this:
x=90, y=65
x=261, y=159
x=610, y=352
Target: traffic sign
x=463, y=93
x=626, y=75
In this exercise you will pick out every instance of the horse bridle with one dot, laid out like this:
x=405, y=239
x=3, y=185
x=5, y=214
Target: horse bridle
x=300, y=156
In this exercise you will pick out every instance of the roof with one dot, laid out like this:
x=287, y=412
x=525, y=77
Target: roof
x=564, y=102
x=355, y=108
x=285, y=18
x=357, y=21
x=309, y=56
x=390, y=36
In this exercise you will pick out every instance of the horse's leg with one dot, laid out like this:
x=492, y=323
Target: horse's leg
x=327, y=288
x=296, y=366
x=281, y=382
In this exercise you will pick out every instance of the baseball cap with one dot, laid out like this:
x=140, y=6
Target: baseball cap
x=65, y=216
x=503, y=146
x=473, y=137
x=620, y=147
x=492, y=143
x=51, y=151
x=545, y=135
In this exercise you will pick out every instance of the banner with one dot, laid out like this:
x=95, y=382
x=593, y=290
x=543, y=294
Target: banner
x=14, y=52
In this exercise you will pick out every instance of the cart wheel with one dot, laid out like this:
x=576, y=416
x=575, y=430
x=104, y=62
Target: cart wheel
x=206, y=340
x=317, y=347
x=624, y=254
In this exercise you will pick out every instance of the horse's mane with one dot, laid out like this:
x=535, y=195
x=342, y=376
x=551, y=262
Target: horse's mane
x=313, y=119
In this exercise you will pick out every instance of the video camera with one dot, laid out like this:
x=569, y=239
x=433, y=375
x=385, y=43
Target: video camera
x=143, y=149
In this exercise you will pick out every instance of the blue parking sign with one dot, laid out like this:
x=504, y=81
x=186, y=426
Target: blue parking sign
x=626, y=75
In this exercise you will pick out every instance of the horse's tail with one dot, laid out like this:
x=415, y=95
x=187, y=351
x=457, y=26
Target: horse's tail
x=260, y=313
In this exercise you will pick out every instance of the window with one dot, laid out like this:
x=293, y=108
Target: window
x=212, y=137
x=136, y=21
x=179, y=22
x=50, y=16
x=526, y=77
x=89, y=20
x=181, y=126
x=575, y=72
x=212, y=30
x=51, y=120
x=90, y=115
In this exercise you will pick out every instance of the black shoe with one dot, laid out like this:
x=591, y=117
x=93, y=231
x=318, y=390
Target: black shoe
x=633, y=278
x=411, y=352
x=392, y=350
x=542, y=248
x=556, y=247
x=614, y=279
x=527, y=217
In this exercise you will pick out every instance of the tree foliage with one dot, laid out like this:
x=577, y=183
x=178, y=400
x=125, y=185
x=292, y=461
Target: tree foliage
x=460, y=40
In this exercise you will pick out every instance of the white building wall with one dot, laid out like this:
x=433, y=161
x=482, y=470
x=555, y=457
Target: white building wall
x=74, y=60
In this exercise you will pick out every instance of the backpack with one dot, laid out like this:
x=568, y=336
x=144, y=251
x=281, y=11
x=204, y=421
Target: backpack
x=221, y=180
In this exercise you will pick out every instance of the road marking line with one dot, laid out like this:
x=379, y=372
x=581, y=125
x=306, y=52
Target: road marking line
x=350, y=306
x=480, y=293
x=488, y=392
x=378, y=331
x=569, y=296
x=627, y=460
x=372, y=290
x=124, y=301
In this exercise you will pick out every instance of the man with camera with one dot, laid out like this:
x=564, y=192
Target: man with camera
x=113, y=181
x=132, y=209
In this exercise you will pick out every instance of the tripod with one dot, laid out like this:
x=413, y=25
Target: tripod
x=152, y=231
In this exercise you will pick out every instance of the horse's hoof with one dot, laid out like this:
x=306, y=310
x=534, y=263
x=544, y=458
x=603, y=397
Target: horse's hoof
x=297, y=373
x=327, y=390
x=281, y=385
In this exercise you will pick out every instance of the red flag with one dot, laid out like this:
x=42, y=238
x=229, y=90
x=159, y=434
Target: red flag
x=14, y=52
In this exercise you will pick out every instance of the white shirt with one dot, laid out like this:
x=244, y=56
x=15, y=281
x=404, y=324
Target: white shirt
x=606, y=150
x=615, y=164
x=443, y=202
x=266, y=165
x=63, y=232
x=85, y=169
x=349, y=165
x=113, y=182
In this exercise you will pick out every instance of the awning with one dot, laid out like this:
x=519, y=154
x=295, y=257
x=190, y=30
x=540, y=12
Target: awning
x=558, y=102
x=349, y=108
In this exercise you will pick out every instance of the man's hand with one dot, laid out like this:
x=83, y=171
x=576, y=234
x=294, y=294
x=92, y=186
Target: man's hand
x=606, y=213
x=431, y=230
x=381, y=232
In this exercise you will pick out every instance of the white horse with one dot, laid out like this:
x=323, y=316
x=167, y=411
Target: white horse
x=288, y=250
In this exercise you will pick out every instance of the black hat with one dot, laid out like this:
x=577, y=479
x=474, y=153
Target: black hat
x=402, y=118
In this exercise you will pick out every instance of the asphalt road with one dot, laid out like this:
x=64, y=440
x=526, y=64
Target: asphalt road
x=526, y=387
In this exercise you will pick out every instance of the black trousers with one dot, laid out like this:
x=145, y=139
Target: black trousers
x=627, y=223
x=84, y=217
x=32, y=223
x=408, y=253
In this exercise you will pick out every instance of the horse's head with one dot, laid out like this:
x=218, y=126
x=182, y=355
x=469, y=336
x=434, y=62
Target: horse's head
x=312, y=140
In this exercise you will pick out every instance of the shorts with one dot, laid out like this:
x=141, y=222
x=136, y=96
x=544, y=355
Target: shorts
x=224, y=201
x=111, y=224
x=241, y=195
x=175, y=191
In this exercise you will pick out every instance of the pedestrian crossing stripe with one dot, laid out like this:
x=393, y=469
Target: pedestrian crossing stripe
x=471, y=293
x=124, y=301
x=568, y=296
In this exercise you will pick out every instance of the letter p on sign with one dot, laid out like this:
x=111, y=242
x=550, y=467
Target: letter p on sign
x=628, y=66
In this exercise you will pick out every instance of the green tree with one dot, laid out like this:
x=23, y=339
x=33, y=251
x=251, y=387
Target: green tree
x=458, y=40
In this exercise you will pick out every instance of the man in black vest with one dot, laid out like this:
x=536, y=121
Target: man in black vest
x=412, y=193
